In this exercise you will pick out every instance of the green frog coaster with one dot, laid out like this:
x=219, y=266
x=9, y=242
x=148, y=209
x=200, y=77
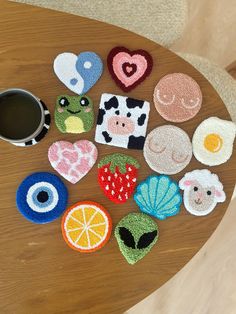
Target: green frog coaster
x=74, y=114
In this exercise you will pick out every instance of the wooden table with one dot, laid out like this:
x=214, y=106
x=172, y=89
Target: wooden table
x=39, y=273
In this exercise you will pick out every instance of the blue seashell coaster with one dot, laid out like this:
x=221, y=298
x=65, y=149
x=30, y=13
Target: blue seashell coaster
x=159, y=196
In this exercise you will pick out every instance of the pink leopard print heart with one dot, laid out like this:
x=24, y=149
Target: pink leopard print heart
x=72, y=161
x=129, y=68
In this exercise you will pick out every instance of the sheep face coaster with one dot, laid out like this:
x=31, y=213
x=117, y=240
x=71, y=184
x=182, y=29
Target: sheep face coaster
x=158, y=196
x=74, y=114
x=41, y=197
x=122, y=121
x=177, y=97
x=213, y=141
x=86, y=226
x=129, y=68
x=202, y=191
x=72, y=161
x=78, y=73
x=167, y=149
x=117, y=176
x=136, y=234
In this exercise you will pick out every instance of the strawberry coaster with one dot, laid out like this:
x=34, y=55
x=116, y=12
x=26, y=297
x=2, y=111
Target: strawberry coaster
x=117, y=176
x=129, y=68
x=72, y=161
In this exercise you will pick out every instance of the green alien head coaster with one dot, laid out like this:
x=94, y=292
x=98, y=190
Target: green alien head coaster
x=136, y=234
x=74, y=114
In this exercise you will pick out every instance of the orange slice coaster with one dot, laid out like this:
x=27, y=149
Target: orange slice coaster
x=86, y=226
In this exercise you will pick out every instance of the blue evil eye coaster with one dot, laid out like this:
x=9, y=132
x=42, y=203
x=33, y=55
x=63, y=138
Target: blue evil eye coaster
x=41, y=197
x=159, y=196
x=78, y=73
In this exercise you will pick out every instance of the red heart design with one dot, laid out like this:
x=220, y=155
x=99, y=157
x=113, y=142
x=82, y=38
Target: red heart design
x=129, y=68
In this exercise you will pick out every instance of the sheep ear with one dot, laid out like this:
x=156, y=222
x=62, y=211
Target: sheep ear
x=184, y=183
x=220, y=196
x=187, y=182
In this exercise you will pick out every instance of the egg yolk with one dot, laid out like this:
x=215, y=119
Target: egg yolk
x=213, y=143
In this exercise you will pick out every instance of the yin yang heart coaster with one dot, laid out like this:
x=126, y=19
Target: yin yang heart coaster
x=41, y=197
x=78, y=73
x=72, y=161
x=129, y=68
x=136, y=234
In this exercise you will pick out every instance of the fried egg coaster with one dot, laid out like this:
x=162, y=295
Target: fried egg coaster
x=74, y=114
x=41, y=197
x=167, y=149
x=202, y=191
x=122, y=121
x=136, y=234
x=213, y=141
x=159, y=196
x=86, y=226
x=177, y=97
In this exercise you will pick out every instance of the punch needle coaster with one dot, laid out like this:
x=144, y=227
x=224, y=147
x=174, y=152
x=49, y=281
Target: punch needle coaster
x=74, y=114
x=177, y=97
x=78, y=73
x=117, y=176
x=202, y=191
x=86, y=226
x=41, y=197
x=136, y=234
x=158, y=196
x=167, y=149
x=129, y=68
x=122, y=121
x=72, y=161
x=44, y=131
x=213, y=141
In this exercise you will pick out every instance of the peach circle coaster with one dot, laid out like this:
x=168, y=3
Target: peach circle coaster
x=167, y=149
x=177, y=97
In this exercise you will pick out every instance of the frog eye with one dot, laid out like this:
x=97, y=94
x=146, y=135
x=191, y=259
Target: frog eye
x=64, y=102
x=41, y=197
x=84, y=101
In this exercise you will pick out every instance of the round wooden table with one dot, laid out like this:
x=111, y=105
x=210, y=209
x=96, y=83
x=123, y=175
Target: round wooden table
x=39, y=272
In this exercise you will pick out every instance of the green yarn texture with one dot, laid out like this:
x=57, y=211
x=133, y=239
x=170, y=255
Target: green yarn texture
x=118, y=160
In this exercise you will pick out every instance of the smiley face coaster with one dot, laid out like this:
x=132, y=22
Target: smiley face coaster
x=122, y=121
x=177, y=97
x=202, y=191
x=41, y=197
x=167, y=149
x=158, y=196
x=136, y=234
x=213, y=141
x=74, y=114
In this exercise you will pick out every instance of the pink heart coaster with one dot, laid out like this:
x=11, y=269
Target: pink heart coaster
x=72, y=161
x=129, y=68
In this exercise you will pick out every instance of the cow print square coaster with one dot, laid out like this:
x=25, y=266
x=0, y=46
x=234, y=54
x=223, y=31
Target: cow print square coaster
x=122, y=121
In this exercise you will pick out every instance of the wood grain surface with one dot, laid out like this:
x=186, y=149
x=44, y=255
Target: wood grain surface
x=39, y=273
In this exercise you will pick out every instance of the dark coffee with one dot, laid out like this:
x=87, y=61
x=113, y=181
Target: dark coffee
x=20, y=115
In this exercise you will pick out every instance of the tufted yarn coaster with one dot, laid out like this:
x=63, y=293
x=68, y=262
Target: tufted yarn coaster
x=78, y=73
x=74, y=114
x=117, y=176
x=136, y=234
x=72, y=161
x=202, y=191
x=86, y=226
x=41, y=197
x=129, y=68
x=213, y=141
x=44, y=131
x=158, y=196
x=122, y=121
x=177, y=97
x=167, y=149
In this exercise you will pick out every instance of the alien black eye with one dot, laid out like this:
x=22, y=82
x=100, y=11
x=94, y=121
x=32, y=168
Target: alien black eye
x=208, y=192
x=84, y=101
x=63, y=102
x=195, y=189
